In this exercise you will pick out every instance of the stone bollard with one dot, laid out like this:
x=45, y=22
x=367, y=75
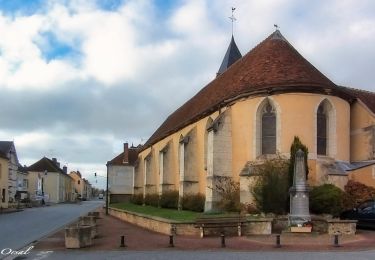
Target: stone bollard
x=95, y=214
x=78, y=236
x=91, y=221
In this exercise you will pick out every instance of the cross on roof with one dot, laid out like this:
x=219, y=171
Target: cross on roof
x=233, y=18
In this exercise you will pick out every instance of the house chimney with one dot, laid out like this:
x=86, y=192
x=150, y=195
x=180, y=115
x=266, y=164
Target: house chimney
x=65, y=169
x=54, y=160
x=126, y=153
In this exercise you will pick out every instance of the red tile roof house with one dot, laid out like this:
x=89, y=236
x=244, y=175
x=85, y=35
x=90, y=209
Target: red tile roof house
x=121, y=174
x=48, y=180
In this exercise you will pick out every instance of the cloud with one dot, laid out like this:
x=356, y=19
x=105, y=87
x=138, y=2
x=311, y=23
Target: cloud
x=80, y=77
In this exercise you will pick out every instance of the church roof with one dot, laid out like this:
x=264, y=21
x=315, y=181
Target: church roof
x=273, y=66
x=231, y=56
x=367, y=97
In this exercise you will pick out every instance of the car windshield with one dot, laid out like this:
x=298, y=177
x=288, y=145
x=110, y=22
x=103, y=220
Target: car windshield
x=366, y=206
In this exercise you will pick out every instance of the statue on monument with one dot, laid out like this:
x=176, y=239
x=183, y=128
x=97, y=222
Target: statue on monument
x=299, y=193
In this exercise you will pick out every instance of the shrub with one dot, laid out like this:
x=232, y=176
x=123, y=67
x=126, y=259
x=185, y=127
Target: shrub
x=137, y=199
x=250, y=208
x=357, y=193
x=327, y=199
x=271, y=189
x=229, y=192
x=193, y=202
x=152, y=199
x=169, y=199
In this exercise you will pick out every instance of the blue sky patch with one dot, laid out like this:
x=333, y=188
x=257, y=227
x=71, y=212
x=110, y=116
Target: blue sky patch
x=109, y=5
x=24, y=7
x=52, y=48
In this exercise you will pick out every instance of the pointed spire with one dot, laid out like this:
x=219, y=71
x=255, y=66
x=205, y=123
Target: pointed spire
x=276, y=35
x=231, y=56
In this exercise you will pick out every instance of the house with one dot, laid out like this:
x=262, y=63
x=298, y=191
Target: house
x=87, y=189
x=8, y=173
x=82, y=186
x=22, y=183
x=121, y=174
x=46, y=179
x=251, y=112
x=77, y=182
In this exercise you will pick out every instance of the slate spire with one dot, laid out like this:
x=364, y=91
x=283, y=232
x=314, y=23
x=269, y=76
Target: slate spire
x=231, y=56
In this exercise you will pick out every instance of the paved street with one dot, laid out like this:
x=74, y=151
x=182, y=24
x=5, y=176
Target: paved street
x=197, y=255
x=21, y=228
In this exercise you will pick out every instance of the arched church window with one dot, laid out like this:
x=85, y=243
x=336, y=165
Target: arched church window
x=268, y=129
x=322, y=123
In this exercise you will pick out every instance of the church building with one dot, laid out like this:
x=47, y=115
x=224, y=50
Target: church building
x=251, y=112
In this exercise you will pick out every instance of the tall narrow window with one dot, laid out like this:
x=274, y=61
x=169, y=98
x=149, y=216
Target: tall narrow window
x=322, y=130
x=268, y=129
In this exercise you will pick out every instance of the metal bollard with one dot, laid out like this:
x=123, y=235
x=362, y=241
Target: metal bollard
x=122, y=244
x=278, y=244
x=336, y=241
x=171, y=244
x=222, y=240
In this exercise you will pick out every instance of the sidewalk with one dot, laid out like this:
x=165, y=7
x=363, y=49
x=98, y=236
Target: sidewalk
x=9, y=210
x=139, y=239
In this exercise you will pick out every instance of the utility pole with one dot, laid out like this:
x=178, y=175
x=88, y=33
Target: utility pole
x=106, y=195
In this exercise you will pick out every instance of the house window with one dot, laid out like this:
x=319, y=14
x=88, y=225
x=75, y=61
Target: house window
x=322, y=123
x=268, y=127
x=79, y=182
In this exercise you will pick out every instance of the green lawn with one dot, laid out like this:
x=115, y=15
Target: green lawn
x=178, y=215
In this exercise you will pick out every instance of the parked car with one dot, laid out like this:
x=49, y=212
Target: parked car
x=364, y=213
x=101, y=196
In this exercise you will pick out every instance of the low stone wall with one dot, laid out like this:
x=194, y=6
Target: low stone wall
x=253, y=227
x=78, y=236
x=321, y=224
x=156, y=224
x=262, y=226
x=342, y=227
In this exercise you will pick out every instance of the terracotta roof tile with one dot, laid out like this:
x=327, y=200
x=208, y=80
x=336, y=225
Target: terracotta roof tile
x=44, y=164
x=272, y=65
x=119, y=159
x=367, y=97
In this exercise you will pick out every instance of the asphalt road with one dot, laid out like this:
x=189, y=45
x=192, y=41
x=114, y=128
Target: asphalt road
x=19, y=229
x=198, y=255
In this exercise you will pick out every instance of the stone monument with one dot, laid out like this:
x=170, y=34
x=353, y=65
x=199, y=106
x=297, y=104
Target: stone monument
x=299, y=193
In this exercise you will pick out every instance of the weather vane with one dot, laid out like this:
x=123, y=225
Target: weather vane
x=276, y=26
x=233, y=18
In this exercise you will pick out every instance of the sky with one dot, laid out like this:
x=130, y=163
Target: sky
x=78, y=78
